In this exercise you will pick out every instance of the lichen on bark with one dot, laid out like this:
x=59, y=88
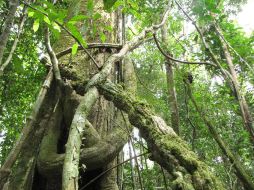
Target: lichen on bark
x=167, y=149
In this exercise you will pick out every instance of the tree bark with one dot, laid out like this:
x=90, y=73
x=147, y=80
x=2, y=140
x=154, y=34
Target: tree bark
x=72, y=154
x=173, y=106
x=244, y=108
x=7, y=27
x=166, y=147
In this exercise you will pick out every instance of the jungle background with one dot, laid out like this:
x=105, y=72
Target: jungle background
x=189, y=93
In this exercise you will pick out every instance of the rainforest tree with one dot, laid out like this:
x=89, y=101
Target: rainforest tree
x=94, y=70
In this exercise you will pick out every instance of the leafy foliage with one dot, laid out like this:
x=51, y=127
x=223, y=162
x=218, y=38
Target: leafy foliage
x=22, y=79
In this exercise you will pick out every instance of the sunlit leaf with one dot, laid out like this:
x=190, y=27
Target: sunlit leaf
x=46, y=19
x=56, y=27
x=74, y=49
x=103, y=37
x=90, y=5
x=108, y=4
x=36, y=25
x=79, y=18
x=97, y=16
x=30, y=14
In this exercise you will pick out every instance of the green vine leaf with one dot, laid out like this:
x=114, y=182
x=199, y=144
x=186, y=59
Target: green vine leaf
x=36, y=25
x=74, y=49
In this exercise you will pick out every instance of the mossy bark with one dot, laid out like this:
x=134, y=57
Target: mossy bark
x=166, y=148
x=96, y=153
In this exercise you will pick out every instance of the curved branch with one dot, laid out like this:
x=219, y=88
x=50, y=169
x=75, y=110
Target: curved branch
x=176, y=60
x=72, y=154
x=53, y=59
x=90, y=46
x=50, y=163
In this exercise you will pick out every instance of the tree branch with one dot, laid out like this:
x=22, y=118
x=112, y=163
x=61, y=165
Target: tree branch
x=90, y=46
x=72, y=154
x=176, y=60
x=240, y=171
x=219, y=32
x=53, y=59
x=7, y=27
x=14, y=45
x=167, y=149
x=207, y=47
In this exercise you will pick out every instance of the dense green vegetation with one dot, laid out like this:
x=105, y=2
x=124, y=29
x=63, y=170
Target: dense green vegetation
x=219, y=99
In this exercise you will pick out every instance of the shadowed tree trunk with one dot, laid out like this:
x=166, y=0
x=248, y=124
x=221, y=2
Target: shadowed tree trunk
x=101, y=142
x=45, y=163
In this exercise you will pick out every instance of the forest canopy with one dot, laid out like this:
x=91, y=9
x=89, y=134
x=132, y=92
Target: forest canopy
x=125, y=94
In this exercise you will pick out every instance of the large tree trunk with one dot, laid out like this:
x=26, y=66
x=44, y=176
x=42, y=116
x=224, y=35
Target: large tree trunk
x=40, y=165
x=101, y=142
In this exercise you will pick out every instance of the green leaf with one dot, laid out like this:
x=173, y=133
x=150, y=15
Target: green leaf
x=74, y=49
x=46, y=19
x=118, y=4
x=97, y=16
x=103, y=37
x=75, y=32
x=56, y=27
x=108, y=4
x=196, y=38
x=36, y=25
x=30, y=14
x=109, y=28
x=79, y=18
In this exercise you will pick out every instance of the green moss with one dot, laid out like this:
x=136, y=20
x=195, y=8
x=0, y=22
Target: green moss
x=183, y=183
